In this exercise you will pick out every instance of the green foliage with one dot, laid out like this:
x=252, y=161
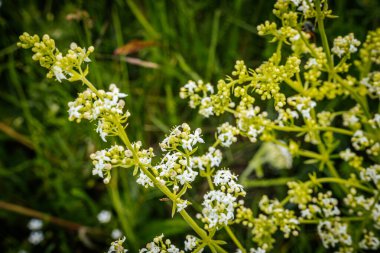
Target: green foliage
x=45, y=161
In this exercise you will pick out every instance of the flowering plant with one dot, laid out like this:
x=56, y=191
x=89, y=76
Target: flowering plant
x=302, y=84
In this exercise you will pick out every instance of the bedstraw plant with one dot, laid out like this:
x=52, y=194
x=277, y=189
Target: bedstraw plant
x=309, y=101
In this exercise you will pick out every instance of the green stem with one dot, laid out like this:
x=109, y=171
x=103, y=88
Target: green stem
x=90, y=85
x=310, y=154
x=342, y=182
x=115, y=196
x=234, y=239
x=333, y=218
x=195, y=227
x=360, y=99
x=322, y=32
x=336, y=130
x=302, y=129
x=267, y=182
x=295, y=86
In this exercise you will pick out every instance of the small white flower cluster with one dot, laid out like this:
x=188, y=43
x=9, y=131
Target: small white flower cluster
x=353, y=159
x=74, y=57
x=372, y=83
x=228, y=183
x=191, y=90
x=117, y=246
x=159, y=245
x=102, y=106
x=305, y=6
x=345, y=45
x=362, y=205
x=174, y=170
x=360, y=141
x=277, y=155
x=219, y=205
x=370, y=241
x=352, y=117
x=322, y=206
x=371, y=174
x=227, y=134
x=218, y=209
x=286, y=117
x=251, y=123
x=258, y=250
x=375, y=121
x=300, y=193
x=118, y=156
x=192, y=242
x=36, y=235
x=302, y=104
x=334, y=233
x=144, y=180
x=181, y=136
x=358, y=204
x=104, y=216
x=211, y=159
x=283, y=218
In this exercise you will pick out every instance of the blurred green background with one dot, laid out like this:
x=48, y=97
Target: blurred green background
x=45, y=170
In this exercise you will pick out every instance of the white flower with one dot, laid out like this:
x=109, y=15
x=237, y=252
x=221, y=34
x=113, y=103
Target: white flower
x=144, y=180
x=187, y=176
x=333, y=233
x=302, y=104
x=218, y=208
x=117, y=246
x=345, y=45
x=372, y=173
x=228, y=181
x=58, y=72
x=370, y=241
x=182, y=205
x=104, y=216
x=258, y=250
x=100, y=130
x=116, y=234
x=191, y=243
x=253, y=133
x=36, y=237
x=359, y=140
x=227, y=134
x=206, y=108
x=74, y=111
x=35, y=224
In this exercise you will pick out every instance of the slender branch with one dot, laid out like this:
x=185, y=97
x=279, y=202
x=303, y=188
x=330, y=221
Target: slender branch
x=322, y=32
x=267, y=182
x=234, y=238
x=46, y=217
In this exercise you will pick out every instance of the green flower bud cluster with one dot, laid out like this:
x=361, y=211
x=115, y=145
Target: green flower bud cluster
x=59, y=66
x=299, y=193
x=345, y=45
x=181, y=137
x=274, y=217
x=118, y=156
x=106, y=107
x=370, y=50
x=161, y=245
